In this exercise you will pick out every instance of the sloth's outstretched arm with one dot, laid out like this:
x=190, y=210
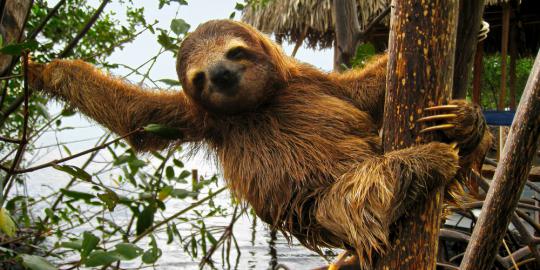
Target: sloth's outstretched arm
x=361, y=205
x=117, y=105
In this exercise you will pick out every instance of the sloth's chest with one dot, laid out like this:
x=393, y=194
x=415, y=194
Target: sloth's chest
x=298, y=146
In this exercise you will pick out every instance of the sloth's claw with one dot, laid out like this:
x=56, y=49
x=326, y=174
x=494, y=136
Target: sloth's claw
x=438, y=127
x=441, y=107
x=438, y=117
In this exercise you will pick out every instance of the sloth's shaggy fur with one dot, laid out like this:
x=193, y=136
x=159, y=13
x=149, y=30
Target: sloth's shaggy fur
x=301, y=146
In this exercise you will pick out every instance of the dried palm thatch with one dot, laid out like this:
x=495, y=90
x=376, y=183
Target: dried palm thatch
x=312, y=20
x=498, y=2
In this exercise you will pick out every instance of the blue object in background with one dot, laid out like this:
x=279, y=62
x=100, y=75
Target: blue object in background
x=496, y=118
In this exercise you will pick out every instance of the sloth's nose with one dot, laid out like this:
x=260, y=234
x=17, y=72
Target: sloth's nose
x=224, y=76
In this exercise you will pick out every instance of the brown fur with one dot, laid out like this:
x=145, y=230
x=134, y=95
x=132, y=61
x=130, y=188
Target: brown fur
x=305, y=154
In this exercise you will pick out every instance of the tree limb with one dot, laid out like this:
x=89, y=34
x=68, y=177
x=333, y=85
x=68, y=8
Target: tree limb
x=509, y=179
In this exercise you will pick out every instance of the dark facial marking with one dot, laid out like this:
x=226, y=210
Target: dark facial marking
x=237, y=53
x=199, y=80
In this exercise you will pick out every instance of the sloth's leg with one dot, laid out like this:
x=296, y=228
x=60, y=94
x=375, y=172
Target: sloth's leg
x=360, y=206
x=120, y=106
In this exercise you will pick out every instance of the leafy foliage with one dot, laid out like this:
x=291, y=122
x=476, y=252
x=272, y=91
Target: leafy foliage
x=491, y=79
x=77, y=220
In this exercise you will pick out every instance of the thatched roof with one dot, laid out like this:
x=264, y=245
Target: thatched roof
x=497, y=2
x=291, y=20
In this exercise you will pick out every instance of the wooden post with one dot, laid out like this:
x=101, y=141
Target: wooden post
x=509, y=179
x=470, y=20
x=512, y=71
x=504, y=53
x=419, y=74
x=477, y=73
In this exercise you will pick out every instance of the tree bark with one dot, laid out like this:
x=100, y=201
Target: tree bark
x=509, y=179
x=12, y=20
x=347, y=28
x=470, y=20
x=419, y=74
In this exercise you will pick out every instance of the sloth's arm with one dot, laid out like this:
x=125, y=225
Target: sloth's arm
x=364, y=87
x=117, y=105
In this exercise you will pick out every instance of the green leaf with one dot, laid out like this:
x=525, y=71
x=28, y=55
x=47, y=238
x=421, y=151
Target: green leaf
x=145, y=219
x=170, y=234
x=239, y=6
x=76, y=244
x=89, y=243
x=211, y=238
x=169, y=172
x=165, y=192
x=231, y=16
x=101, y=257
x=74, y=171
x=170, y=82
x=128, y=251
x=34, y=262
x=163, y=131
x=152, y=255
x=110, y=198
x=167, y=42
x=178, y=163
x=18, y=48
x=68, y=112
x=184, y=174
x=181, y=193
x=122, y=159
x=78, y=195
x=179, y=26
x=6, y=223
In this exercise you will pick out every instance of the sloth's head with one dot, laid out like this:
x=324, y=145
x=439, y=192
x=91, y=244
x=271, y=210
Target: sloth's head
x=229, y=67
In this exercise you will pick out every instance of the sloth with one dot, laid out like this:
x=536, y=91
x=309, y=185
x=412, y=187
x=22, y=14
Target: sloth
x=300, y=146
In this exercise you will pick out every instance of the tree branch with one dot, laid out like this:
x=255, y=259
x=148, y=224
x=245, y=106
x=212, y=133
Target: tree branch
x=509, y=179
x=69, y=48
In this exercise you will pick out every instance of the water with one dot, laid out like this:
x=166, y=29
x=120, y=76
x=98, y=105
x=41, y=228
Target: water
x=259, y=249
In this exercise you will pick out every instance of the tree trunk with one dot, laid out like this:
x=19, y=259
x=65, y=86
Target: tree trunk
x=12, y=19
x=420, y=72
x=509, y=179
x=470, y=19
x=347, y=28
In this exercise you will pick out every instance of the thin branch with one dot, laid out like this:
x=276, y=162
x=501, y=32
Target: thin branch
x=8, y=182
x=69, y=48
x=11, y=77
x=181, y=212
x=58, y=161
x=10, y=140
x=43, y=22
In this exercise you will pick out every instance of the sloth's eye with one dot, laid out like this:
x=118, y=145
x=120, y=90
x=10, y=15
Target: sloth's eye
x=237, y=53
x=198, y=80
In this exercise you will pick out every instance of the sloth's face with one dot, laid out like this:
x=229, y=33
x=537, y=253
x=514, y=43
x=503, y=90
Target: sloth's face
x=226, y=72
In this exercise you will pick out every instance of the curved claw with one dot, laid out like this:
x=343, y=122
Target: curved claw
x=438, y=127
x=442, y=107
x=437, y=117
